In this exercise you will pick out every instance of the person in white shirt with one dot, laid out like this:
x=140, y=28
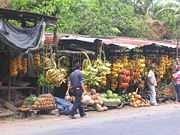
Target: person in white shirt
x=152, y=83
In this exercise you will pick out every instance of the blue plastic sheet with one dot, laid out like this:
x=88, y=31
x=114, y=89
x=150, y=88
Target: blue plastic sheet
x=63, y=106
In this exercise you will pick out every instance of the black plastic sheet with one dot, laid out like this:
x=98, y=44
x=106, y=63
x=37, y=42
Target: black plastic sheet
x=20, y=38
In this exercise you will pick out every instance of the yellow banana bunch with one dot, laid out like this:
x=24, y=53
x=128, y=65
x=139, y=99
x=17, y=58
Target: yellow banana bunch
x=103, y=69
x=165, y=63
x=141, y=64
x=19, y=63
x=37, y=61
x=24, y=65
x=13, y=68
x=47, y=63
x=56, y=76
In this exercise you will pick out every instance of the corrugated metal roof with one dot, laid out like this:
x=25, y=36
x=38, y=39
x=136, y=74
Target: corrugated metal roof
x=131, y=42
x=126, y=42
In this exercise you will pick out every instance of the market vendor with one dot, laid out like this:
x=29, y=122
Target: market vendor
x=152, y=83
x=177, y=84
x=76, y=82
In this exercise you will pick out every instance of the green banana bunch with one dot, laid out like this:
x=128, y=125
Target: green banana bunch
x=41, y=80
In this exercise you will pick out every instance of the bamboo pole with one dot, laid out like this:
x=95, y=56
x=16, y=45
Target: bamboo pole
x=177, y=47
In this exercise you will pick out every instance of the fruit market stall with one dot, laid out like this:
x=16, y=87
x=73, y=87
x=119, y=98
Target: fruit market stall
x=121, y=65
x=16, y=43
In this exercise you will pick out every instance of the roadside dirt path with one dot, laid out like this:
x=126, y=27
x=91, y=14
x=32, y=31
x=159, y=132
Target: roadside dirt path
x=9, y=126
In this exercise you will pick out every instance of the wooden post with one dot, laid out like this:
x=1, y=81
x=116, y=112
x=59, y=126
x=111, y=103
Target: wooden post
x=9, y=88
x=177, y=47
x=9, y=83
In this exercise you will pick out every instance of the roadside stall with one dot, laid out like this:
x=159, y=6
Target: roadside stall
x=119, y=68
x=17, y=43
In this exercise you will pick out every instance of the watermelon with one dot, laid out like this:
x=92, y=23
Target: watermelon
x=104, y=100
x=118, y=100
x=111, y=100
x=109, y=92
x=110, y=96
x=115, y=95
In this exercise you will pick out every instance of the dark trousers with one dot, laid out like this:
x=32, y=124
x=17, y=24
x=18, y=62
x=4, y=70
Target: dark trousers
x=77, y=104
x=178, y=91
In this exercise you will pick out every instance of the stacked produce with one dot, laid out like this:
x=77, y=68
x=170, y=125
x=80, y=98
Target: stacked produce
x=110, y=97
x=18, y=65
x=137, y=100
x=167, y=91
x=43, y=102
x=125, y=98
x=37, y=61
x=94, y=98
x=29, y=101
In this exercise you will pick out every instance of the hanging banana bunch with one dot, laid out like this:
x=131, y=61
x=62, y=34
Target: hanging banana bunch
x=165, y=64
x=54, y=75
x=19, y=63
x=13, y=68
x=104, y=68
x=24, y=65
x=47, y=63
x=90, y=73
x=64, y=63
x=37, y=61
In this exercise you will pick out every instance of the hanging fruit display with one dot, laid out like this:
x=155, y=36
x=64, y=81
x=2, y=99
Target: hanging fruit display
x=37, y=61
x=17, y=65
x=104, y=68
x=13, y=68
x=47, y=63
x=51, y=73
x=90, y=74
x=165, y=67
x=56, y=76
x=24, y=65
x=95, y=73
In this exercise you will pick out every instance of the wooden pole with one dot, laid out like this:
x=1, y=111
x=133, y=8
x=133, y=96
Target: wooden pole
x=9, y=82
x=177, y=47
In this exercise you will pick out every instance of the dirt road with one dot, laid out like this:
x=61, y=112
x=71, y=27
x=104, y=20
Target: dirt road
x=99, y=121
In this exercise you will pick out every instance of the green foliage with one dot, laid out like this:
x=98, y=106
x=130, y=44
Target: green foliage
x=102, y=17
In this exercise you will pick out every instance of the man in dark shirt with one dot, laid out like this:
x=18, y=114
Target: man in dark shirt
x=76, y=82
